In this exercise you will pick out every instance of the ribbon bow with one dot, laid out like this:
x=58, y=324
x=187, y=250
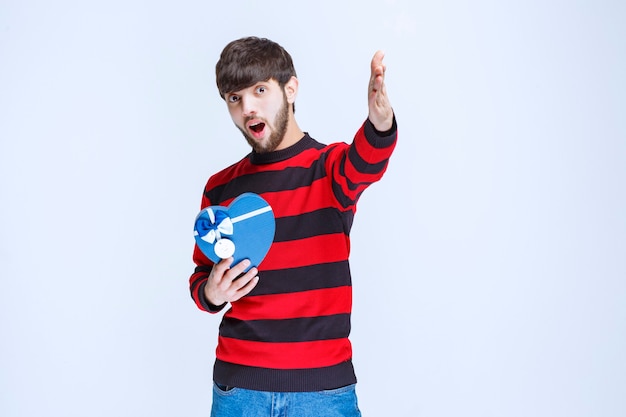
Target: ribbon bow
x=217, y=224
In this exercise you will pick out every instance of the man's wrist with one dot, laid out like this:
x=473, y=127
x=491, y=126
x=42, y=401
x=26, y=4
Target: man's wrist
x=208, y=304
x=386, y=132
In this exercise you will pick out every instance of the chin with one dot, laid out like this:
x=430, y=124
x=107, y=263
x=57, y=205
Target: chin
x=265, y=145
x=265, y=148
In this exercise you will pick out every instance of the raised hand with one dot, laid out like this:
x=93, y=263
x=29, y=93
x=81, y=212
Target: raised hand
x=380, y=111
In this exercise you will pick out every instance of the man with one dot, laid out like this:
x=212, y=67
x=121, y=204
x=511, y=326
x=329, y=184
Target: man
x=283, y=345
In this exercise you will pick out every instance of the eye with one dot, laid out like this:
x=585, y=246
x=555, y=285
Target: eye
x=233, y=98
x=260, y=89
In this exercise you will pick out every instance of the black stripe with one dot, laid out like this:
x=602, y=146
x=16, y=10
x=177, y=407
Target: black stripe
x=363, y=166
x=306, y=278
x=197, y=281
x=267, y=181
x=287, y=330
x=341, y=196
x=338, y=189
x=203, y=268
x=318, y=222
x=381, y=140
x=284, y=380
x=355, y=189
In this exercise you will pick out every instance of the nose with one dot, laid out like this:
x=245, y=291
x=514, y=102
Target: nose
x=248, y=106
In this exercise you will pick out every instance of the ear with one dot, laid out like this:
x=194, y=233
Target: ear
x=291, y=90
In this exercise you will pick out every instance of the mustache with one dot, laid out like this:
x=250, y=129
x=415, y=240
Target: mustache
x=248, y=118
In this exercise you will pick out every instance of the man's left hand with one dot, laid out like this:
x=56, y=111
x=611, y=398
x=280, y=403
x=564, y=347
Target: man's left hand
x=380, y=111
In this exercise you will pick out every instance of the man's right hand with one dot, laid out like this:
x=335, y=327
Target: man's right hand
x=225, y=283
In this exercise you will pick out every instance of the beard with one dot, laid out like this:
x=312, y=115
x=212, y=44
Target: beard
x=279, y=128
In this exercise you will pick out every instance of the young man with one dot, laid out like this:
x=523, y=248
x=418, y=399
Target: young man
x=283, y=345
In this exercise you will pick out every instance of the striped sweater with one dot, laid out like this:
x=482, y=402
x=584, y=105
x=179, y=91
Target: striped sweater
x=291, y=332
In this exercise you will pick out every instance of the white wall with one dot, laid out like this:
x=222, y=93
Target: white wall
x=499, y=290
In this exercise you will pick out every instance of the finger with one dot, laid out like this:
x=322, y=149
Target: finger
x=238, y=269
x=220, y=268
x=381, y=89
x=247, y=288
x=377, y=68
x=377, y=88
x=244, y=279
x=379, y=82
x=377, y=62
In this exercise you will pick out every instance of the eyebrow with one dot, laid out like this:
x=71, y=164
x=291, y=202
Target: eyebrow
x=263, y=83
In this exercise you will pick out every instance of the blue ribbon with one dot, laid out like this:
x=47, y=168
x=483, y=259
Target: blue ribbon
x=211, y=225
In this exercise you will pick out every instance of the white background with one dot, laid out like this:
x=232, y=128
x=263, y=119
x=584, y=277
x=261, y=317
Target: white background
x=489, y=264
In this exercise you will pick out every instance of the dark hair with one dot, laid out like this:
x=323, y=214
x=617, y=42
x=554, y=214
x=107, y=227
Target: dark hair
x=246, y=61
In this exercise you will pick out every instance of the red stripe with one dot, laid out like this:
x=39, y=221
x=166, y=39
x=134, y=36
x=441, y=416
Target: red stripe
x=309, y=251
x=305, y=159
x=200, y=258
x=197, y=277
x=231, y=172
x=300, y=355
x=365, y=179
x=369, y=153
x=349, y=193
x=313, y=303
x=194, y=286
x=295, y=202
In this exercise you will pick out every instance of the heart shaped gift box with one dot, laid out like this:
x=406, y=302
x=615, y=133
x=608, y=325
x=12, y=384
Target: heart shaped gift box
x=244, y=230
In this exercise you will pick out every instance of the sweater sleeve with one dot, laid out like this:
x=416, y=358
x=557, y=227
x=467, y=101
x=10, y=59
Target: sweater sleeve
x=200, y=276
x=361, y=163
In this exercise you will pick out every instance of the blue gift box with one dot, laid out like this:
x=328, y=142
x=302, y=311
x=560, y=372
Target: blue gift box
x=244, y=230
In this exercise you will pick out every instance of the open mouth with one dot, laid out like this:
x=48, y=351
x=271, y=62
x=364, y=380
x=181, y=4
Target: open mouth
x=257, y=127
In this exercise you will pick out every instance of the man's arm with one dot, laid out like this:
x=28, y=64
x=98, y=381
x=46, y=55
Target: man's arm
x=354, y=167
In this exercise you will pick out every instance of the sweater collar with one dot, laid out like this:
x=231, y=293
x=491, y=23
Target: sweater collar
x=277, y=156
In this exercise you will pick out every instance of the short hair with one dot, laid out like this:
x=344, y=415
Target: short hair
x=247, y=61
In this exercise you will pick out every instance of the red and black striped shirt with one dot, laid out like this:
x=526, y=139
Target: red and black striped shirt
x=291, y=332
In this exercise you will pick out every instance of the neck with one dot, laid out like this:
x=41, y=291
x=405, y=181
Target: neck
x=292, y=135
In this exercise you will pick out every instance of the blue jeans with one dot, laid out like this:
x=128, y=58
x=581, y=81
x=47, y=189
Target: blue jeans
x=239, y=402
